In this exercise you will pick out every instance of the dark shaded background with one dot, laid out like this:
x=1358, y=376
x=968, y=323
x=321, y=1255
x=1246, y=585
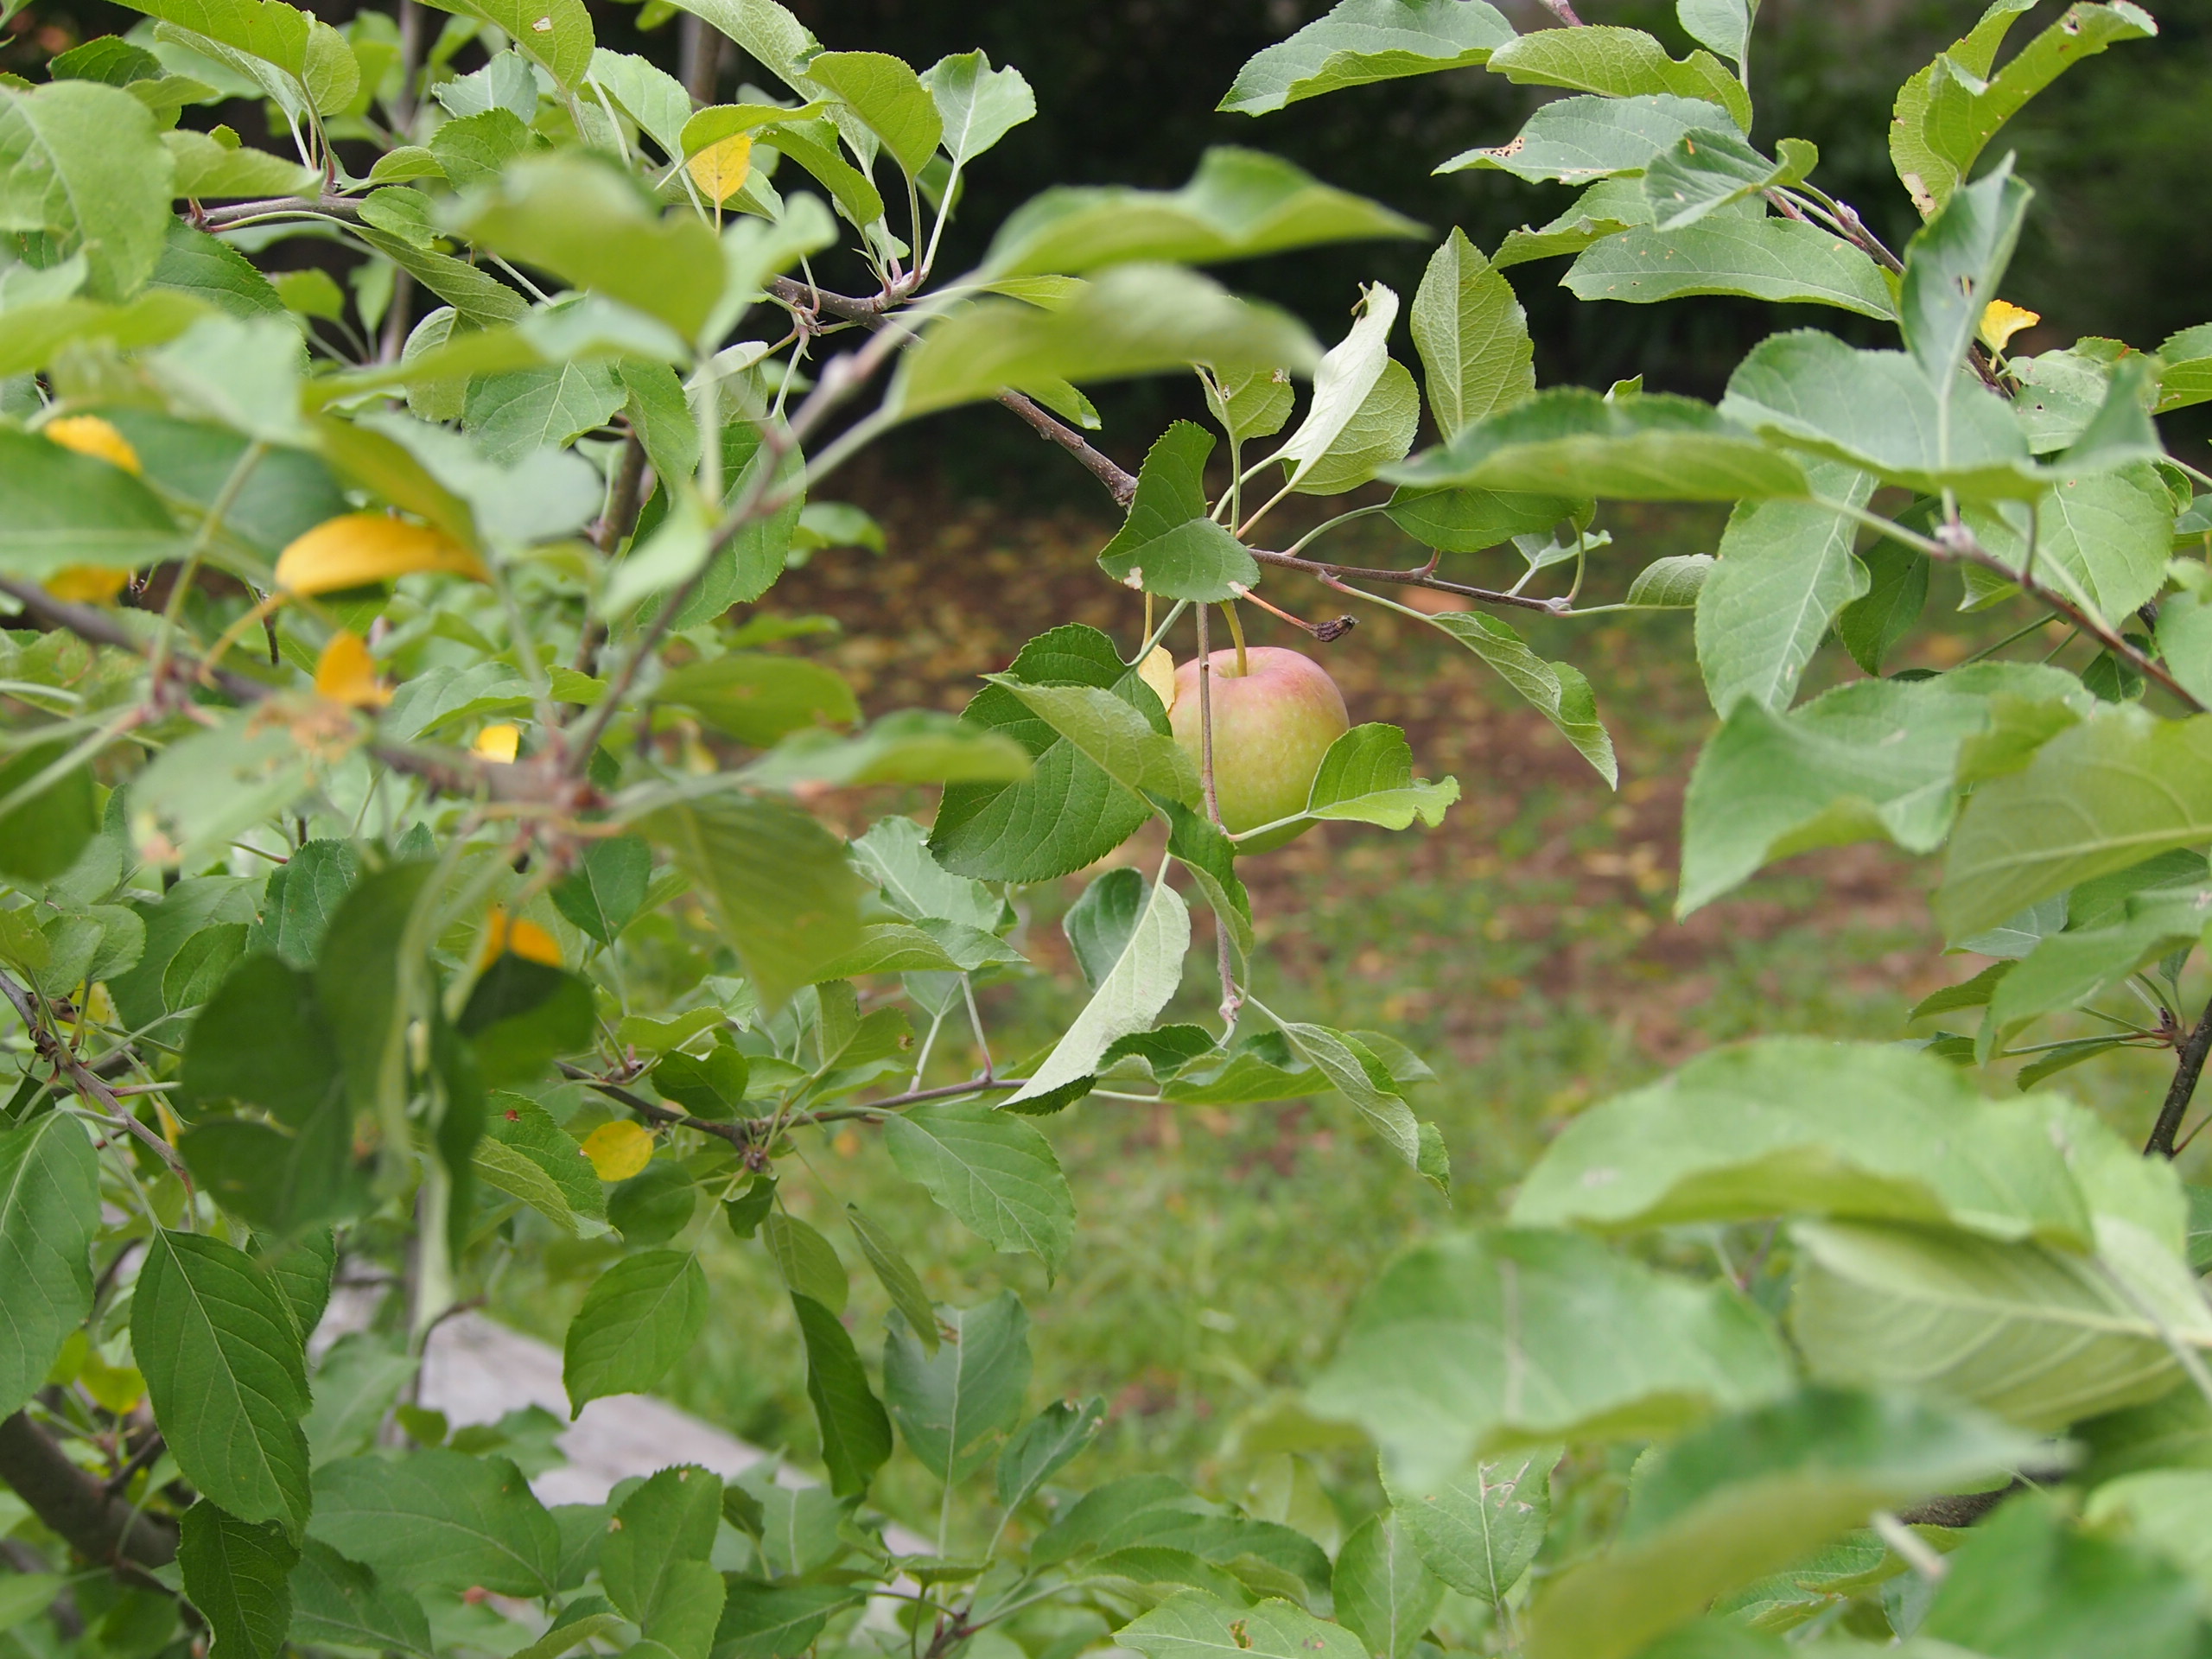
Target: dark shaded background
x=2120, y=243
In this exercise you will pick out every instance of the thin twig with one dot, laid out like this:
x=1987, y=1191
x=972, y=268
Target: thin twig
x=2187, y=1068
x=83, y=1079
x=1121, y=482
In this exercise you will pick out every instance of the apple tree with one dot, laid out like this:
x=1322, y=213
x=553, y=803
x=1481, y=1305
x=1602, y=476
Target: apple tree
x=409, y=861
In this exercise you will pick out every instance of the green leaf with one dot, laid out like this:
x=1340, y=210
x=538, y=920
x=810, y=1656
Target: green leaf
x=2108, y=793
x=1247, y=404
x=654, y=99
x=1130, y=993
x=59, y=508
x=1876, y=760
x=978, y=105
x=1099, y=923
x=2038, y=1336
x=1240, y=203
x=996, y=1173
x=805, y=1261
x=1360, y=1077
x=224, y=1363
x=1472, y=336
x=910, y=745
x=1135, y=318
x=1876, y=412
x=1749, y=1495
x=887, y=94
x=1382, y=1591
x=555, y=35
x=654, y=1559
x=338, y=1603
x=1606, y=208
x=607, y=887
x=1793, y=1126
x=955, y=1401
x=206, y=170
x=1575, y=140
x=1670, y=584
x=855, y=1432
x=1953, y=269
x=1948, y=111
x=1367, y=776
x=1169, y=544
x=1573, y=442
x=41, y=838
x=2186, y=369
x=262, y=1041
x=1114, y=735
x=1470, y=520
x=1192, y=1624
x=1706, y=171
x=1349, y=375
x=2102, y=539
x=85, y=163
x=895, y=853
x=2026, y=1581
x=1483, y=1341
x=513, y=415
x=1872, y=626
x=776, y=883
x=1044, y=1445
x=1362, y=41
x=758, y=698
x=639, y=1317
x=49, y=1210
x=1068, y=812
x=1724, y=25
x=1557, y=690
x=896, y=1275
x=1618, y=63
x=781, y=1621
x=237, y=1576
x=439, y=1520
x=1479, y=1529
x=1784, y=260
x=587, y=224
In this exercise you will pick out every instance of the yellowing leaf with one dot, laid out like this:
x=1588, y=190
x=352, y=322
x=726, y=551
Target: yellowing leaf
x=618, y=1151
x=1158, y=671
x=2001, y=319
x=358, y=548
x=86, y=584
x=720, y=170
x=500, y=741
x=522, y=937
x=88, y=434
x=346, y=673
x=116, y=1388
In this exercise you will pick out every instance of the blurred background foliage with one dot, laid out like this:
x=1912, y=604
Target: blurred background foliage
x=2118, y=244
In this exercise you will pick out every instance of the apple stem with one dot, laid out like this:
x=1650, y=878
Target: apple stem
x=1232, y=999
x=1237, y=632
x=1148, y=616
x=1335, y=628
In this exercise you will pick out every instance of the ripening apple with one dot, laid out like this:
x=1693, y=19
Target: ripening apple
x=1272, y=724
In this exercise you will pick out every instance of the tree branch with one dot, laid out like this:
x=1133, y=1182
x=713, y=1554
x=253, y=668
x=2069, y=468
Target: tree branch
x=1102, y=467
x=746, y=1131
x=99, y=1526
x=2187, y=1068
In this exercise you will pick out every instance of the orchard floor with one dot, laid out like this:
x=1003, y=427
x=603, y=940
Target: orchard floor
x=1527, y=948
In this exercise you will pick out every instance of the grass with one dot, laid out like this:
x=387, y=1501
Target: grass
x=1527, y=948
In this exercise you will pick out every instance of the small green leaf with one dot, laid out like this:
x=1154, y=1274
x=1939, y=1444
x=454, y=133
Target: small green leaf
x=896, y=1275
x=439, y=1520
x=995, y=1172
x=237, y=1576
x=1051, y=1439
x=1169, y=544
x=805, y=1261
x=956, y=1398
x=1367, y=777
x=49, y=1210
x=855, y=1432
x=1432, y=1365
x=1557, y=690
x=1575, y=140
x=338, y=1603
x=654, y=1559
x=1239, y=203
x=1359, y=42
x=1479, y=1530
x=1618, y=63
x=978, y=105
x=887, y=94
x=1781, y=260
x=1473, y=338
x=225, y=1364
x=84, y=162
x=637, y=1322
x=1130, y=993
x=1383, y=1590
x=607, y=887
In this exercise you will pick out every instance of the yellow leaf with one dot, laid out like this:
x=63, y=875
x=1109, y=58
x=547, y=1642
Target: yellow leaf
x=359, y=549
x=500, y=741
x=346, y=673
x=720, y=170
x=523, y=938
x=2001, y=319
x=618, y=1151
x=1158, y=671
x=86, y=584
x=88, y=434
